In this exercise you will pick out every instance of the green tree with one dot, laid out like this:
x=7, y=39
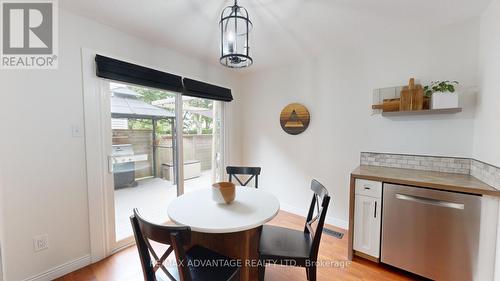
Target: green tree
x=149, y=95
x=193, y=123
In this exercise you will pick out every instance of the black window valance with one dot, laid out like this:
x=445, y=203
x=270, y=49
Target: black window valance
x=199, y=89
x=131, y=73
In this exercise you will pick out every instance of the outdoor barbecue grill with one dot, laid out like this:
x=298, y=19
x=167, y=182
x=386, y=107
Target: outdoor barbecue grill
x=124, y=165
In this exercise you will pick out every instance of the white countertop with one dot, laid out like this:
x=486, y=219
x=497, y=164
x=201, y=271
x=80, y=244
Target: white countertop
x=251, y=208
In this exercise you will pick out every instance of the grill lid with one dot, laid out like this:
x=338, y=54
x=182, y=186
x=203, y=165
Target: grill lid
x=122, y=149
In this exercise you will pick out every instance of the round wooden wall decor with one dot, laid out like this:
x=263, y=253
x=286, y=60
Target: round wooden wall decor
x=294, y=118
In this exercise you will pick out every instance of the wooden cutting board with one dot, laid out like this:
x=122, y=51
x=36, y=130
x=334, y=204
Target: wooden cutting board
x=411, y=98
x=405, y=99
x=417, y=98
x=388, y=105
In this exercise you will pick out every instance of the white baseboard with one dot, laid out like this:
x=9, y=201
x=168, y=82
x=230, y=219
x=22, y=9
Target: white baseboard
x=329, y=219
x=61, y=270
x=337, y=222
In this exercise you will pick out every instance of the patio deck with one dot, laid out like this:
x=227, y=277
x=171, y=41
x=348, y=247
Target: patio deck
x=152, y=197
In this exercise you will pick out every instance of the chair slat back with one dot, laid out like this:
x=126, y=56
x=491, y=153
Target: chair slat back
x=174, y=236
x=317, y=212
x=234, y=171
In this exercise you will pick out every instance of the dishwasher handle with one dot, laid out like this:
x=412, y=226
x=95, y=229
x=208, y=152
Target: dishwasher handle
x=430, y=201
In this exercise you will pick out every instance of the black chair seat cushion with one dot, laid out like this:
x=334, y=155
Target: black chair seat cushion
x=219, y=267
x=197, y=258
x=278, y=244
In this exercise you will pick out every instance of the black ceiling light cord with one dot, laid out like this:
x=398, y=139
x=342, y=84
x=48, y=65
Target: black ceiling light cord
x=235, y=25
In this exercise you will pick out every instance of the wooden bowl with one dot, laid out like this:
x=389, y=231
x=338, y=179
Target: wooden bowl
x=223, y=192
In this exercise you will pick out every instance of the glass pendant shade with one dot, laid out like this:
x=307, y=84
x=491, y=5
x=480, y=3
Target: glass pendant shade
x=235, y=26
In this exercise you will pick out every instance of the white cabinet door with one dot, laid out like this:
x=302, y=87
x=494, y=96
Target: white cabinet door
x=367, y=220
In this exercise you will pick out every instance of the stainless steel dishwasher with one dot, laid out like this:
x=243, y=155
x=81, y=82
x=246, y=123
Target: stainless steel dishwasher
x=431, y=233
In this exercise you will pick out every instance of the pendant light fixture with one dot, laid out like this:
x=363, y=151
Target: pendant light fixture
x=234, y=28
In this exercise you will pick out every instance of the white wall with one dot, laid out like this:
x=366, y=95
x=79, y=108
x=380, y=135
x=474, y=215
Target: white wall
x=44, y=166
x=487, y=123
x=337, y=89
x=1, y=223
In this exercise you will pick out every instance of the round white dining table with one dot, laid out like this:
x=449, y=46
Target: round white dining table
x=250, y=209
x=229, y=229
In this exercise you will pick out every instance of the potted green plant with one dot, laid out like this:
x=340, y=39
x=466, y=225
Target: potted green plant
x=442, y=94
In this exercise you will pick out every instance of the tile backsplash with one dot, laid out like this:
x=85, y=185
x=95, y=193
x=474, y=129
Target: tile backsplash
x=482, y=171
x=486, y=173
x=418, y=162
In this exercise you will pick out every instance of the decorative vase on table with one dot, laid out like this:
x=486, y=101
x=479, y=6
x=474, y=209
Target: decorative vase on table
x=441, y=100
x=223, y=192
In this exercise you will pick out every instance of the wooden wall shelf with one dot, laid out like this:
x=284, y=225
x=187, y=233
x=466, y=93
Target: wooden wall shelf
x=422, y=112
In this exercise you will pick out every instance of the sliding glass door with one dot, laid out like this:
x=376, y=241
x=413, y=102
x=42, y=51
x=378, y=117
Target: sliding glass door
x=202, y=142
x=218, y=142
x=148, y=133
x=142, y=155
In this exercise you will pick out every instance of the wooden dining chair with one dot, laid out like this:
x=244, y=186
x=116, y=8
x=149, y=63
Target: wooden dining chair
x=253, y=172
x=191, y=265
x=285, y=246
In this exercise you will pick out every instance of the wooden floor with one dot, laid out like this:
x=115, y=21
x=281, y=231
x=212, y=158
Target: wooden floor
x=125, y=265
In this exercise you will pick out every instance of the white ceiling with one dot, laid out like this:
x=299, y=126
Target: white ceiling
x=283, y=30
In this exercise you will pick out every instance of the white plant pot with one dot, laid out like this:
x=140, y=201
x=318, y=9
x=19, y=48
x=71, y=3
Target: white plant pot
x=441, y=100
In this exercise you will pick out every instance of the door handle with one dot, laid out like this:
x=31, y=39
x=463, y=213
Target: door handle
x=375, y=211
x=430, y=201
x=110, y=164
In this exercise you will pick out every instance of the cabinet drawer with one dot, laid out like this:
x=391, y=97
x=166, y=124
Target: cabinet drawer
x=369, y=188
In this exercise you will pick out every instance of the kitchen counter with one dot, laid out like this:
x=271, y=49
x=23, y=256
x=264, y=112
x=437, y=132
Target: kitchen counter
x=428, y=179
x=366, y=217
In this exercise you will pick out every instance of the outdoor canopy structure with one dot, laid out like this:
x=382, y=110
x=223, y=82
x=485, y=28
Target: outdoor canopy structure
x=170, y=102
x=125, y=104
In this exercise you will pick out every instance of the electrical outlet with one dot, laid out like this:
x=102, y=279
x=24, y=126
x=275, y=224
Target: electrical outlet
x=40, y=242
